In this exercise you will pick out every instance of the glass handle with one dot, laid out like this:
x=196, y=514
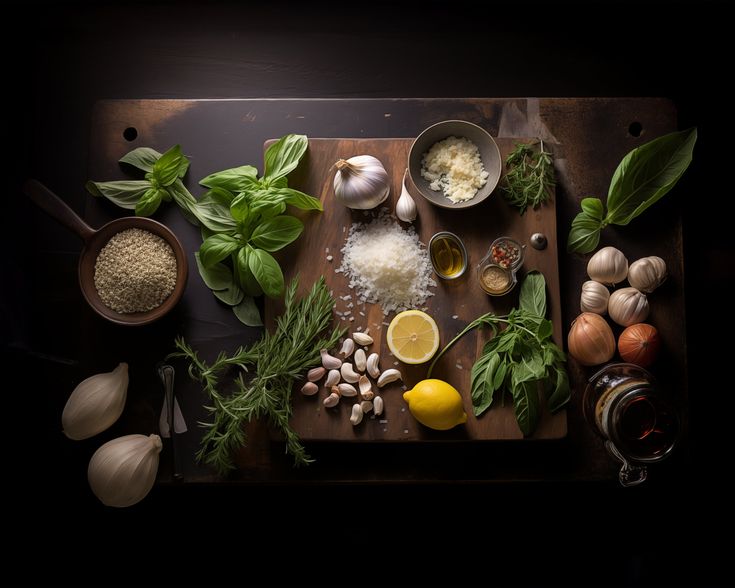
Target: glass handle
x=629, y=475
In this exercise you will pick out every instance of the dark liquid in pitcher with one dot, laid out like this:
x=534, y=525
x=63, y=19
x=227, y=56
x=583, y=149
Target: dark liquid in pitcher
x=647, y=428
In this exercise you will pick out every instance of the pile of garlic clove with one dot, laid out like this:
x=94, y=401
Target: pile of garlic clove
x=350, y=377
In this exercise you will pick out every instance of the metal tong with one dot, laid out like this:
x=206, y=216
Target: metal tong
x=166, y=373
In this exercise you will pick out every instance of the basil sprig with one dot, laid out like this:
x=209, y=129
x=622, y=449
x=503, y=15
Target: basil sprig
x=241, y=216
x=642, y=178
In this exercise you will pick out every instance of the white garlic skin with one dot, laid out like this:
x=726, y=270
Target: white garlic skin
x=594, y=297
x=608, y=266
x=406, y=206
x=361, y=182
x=123, y=471
x=647, y=274
x=95, y=404
x=628, y=306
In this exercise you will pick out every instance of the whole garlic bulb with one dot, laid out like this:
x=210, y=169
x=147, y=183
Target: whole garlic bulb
x=361, y=182
x=594, y=297
x=95, y=404
x=647, y=274
x=123, y=471
x=608, y=266
x=406, y=207
x=628, y=306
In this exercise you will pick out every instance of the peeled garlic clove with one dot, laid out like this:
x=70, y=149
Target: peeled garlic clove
x=347, y=390
x=647, y=274
x=366, y=388
x=333, y=378
x=315, y=374
x=360, y=360
x=594, y=297
x=366, y=406
x=95, y=404
x=389, y=376
x=348, y=374
x=361, y=182
x=356, y=416
x=406, y=207
x=123, y=470
x=608, y=266
x=378, y=405
x=372, y=365
x=329, y=361
x=332, y=400
x=347, y=348
x=362, y=338
x=309, y=389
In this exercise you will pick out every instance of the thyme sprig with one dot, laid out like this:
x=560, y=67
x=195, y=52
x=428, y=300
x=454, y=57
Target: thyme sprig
x=529, y=178
x=265, y=374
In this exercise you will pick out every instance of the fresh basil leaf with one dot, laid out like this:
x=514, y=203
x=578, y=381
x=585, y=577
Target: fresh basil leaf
x=526, y=405
x=283, y=156
x=248, y=312
x=482, y=383
x=185, y=201
x=647, y=173
x=245, y=277
x=143, y=158
x=584, y=234
x=213, y=211
x=231, y=296
x=220, y=195
x=276, y=233
x=544, y=330
x=500, y=374
x=217, y=277
x=299, y=199
x=216, y=248
x=562, y=393
x=124, y=194
x=166, y=169
x=267, y=271
x=236, y=179
x=593, y=207
x=239, y=208
x=149, y=202
x=533, y=293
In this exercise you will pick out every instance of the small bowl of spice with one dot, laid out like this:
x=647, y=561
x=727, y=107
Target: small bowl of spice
x=496, y=272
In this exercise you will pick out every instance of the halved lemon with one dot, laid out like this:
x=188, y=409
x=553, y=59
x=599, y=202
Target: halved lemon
x=413, y=337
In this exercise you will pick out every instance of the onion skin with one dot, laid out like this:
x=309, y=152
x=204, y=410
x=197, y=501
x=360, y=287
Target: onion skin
x=591, y=340
x=639, y=344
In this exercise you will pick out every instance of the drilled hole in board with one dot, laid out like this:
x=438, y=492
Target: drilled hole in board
x=635, y=129
x=130, y=134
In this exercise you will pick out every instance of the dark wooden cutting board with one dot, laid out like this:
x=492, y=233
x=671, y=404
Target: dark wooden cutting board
x=453, y=306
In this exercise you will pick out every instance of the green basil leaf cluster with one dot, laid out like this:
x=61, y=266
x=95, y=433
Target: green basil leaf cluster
x=241, y=216
x=520, y=358
x=642, y=178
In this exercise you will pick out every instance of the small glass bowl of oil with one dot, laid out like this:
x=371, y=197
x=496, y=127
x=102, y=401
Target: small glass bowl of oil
x=448, y=255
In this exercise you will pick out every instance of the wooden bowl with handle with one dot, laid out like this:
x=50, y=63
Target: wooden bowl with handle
x=95, y=240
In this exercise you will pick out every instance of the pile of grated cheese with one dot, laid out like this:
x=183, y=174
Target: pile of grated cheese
x=454, y=167
x=387, y=265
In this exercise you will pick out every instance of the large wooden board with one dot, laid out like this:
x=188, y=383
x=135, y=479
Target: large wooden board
x=454, y=304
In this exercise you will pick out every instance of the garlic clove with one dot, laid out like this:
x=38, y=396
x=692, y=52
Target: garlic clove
x=360, y=360
x=378, y=405
x=608, y=266
x=366, y=406
x=347, y=348
x=366, y=388
x=389, y=376
x=315, y=374
x=361, y=182
x=356, y=416
x=647, y=274
x=628, y=306
x=362, y=338
x=406, y=206
x=123, y=471
x=309, y=389
x=332, y=400
x=329, y=361
x=95, y=404
x=594, y=297
x=373, y=369
x=348, y=374
x=347, y=390
x=333, y=378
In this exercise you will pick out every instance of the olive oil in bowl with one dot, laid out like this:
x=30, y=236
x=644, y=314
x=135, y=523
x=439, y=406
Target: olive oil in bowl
x=448, y=255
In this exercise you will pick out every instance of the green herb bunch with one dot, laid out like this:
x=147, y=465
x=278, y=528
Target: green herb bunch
x=520, y=358
x=529, y=177
x=265, y=375
x=241, y=216
x=642, y=178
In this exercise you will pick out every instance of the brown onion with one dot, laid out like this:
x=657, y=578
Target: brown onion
x=639, y=344
x=591, y=340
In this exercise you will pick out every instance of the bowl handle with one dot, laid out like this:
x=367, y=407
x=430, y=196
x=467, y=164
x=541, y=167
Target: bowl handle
x=57, y=208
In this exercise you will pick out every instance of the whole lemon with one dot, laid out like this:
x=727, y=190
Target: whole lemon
x=436, y=404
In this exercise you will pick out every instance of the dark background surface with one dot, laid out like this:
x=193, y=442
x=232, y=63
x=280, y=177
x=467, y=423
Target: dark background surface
x=75, y=54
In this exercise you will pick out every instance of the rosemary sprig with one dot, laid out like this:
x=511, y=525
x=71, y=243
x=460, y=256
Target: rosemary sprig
x=266, y=372
x=529, y=178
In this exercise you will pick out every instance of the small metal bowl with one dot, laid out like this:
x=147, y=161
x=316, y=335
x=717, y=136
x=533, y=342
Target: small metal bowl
x=489, y=153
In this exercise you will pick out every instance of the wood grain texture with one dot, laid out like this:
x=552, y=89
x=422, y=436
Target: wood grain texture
x=454, y=304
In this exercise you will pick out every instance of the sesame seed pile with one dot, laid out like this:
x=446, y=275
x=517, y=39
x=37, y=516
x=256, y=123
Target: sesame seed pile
x=135, y=271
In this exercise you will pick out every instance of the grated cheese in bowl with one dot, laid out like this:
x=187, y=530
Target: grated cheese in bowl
x=386, y=264
x=454, y=167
